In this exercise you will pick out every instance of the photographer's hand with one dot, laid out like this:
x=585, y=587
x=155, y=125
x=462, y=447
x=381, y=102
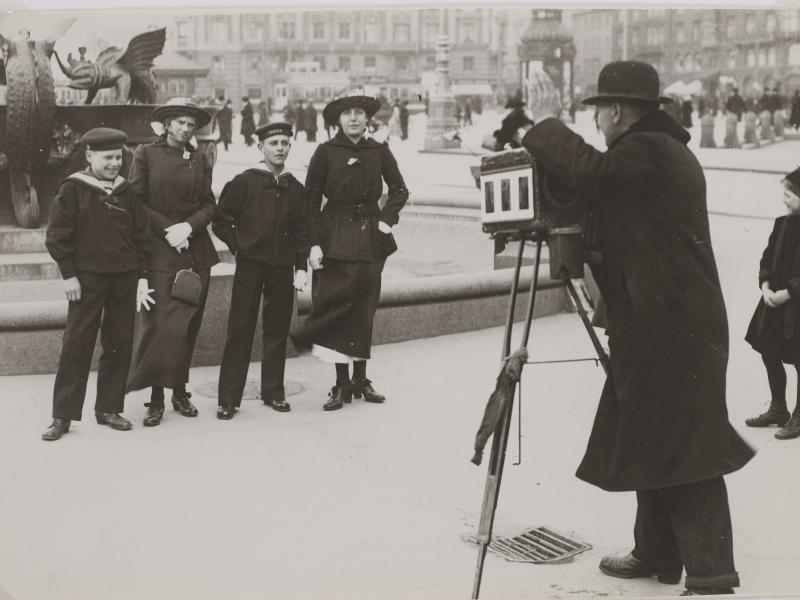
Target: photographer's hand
x=544, y=98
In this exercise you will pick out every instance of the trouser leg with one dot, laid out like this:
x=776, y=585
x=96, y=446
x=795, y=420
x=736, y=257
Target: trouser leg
x=700, y=517
x=116, y=338
x=80, y=335
x=655, y=542
x=275, y=321
x=248, y=281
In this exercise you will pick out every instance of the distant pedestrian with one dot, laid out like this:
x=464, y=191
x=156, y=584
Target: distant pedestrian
x=300, y=118
x=794, y=116
x=223, y=119
x=263, y=114
x=311, y=122
x=394, y=122
x=404, y=120
x=774, y=330
x=248, y=126
x=686, y=112
x=735, y=104
x=467, y=112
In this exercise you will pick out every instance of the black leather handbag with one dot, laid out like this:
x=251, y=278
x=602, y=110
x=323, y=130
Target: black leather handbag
x=187, y=287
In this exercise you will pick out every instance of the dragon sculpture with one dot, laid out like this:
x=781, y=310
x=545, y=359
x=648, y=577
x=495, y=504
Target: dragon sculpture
x=30, y=99
x=129, y=72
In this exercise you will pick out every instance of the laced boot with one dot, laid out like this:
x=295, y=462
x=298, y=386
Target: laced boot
x=154, y=414
x=775, y=415
x=791, y=429
x=57, y=428
x=629, y=566
x=363, y=387
x=113, y=420
x=339, y=395
x=181, y=402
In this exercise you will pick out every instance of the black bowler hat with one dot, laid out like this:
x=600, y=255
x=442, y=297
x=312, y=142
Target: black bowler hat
x=336, y=107
x=104, y=138
x=270, y=129
x=180, y=107
x=792, y=181
x=515, y=101
x=627, y=80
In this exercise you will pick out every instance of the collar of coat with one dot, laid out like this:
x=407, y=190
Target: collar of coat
x=657, y=121
x=87, y=179
x=340, y=139
x=189, y=146
x=281, y=179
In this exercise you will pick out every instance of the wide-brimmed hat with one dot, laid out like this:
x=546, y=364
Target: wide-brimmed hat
x=792, y=181
x=355, y=99
x=627, y=80
x=177, y=107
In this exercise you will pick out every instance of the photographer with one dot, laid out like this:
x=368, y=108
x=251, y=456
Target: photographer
x=661, y=426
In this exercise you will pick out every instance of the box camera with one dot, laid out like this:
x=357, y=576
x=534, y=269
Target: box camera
x=519, y=198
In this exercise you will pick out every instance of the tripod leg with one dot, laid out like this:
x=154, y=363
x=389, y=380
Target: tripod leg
x=513, y=302
x=532, y=298
x=601, y=353
x=492, y=489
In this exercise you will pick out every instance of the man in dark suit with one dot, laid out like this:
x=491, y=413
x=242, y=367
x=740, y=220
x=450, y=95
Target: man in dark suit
x=661, y=428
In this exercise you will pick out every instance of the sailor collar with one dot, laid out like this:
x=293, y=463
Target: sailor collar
x=106, y=187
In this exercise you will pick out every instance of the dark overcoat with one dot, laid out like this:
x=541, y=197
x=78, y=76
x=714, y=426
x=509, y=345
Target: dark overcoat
x=248, y=125
x=662, y=419
x=351, y=177
x=775, y=332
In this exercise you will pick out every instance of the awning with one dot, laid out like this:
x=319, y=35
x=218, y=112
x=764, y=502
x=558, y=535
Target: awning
x=471, y=89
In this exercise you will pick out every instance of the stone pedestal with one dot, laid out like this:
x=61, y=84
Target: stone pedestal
x=765, y=120
x=707, y=132
x=750, y=132
x=442, y=127
x=731, y=131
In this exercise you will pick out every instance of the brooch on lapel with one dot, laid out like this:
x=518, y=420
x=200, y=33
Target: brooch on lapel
x=353, y=161
x=186, y=155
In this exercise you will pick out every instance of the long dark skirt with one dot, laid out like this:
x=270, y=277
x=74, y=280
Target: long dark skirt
x=164, y=337
x=345, y=296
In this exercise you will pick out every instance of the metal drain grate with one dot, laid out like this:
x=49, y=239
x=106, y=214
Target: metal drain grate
x=539, y=545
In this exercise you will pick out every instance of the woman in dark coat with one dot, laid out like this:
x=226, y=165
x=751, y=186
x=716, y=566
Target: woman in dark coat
x=173, y=179
x=248, y=126
x=774, y=330
x=224, y=120
x=350, y=239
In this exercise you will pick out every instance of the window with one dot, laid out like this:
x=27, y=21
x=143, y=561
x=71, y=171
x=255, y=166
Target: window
x=402, y=33
x=252, y=28
x=320, y=60
x=750, y=24
x=182, y=33
x=762, y=57
x=751, y=58
x=369, y=62
x=219, y=30
x=468, y=63
x=253, y=64
x=177, y=87
x=286, y=30
x=218, y=64
x=695, y=31
x=680, y=34
x=431, y=33
x=772, y=57
x=430, y=62
x=790, y=20
x=344, y=30
x=732, y=57
x=467, y=31
x=318, y=30
x=344, y=63
x=772, y=24
x=370, y=32
x=730, y=28
x=401, y=63
x=794, y=55
x=254, y=93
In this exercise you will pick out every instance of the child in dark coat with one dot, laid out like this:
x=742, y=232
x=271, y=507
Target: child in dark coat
x=774, y=330
x=99, y=235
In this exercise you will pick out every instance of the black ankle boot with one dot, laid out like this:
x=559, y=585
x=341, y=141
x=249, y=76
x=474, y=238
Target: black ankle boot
x=154, y=414
x=57, y=428
x=182, y=403
x=791, y=429
x=338, y=397
x=363, y=387
x=775, y=415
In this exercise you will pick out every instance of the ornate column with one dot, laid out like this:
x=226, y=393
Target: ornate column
x=442, y=107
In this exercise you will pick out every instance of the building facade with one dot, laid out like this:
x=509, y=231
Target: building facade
x=315, y=54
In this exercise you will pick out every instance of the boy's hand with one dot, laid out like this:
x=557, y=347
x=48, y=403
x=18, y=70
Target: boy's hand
x=780, y=297
x=143, y=296
x=72, y=288
x=178, y=234
x=315, y=257
x=767, y=294
x=300, y=280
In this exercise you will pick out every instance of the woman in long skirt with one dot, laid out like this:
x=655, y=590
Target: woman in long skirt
x=173, y=179
x=350, y=236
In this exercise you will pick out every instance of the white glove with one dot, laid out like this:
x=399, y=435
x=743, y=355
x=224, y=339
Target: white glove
x=300, y=280
x=384, y=227
x=178, y=234
x=182, y=247
x=143, y=297
x=315, y=257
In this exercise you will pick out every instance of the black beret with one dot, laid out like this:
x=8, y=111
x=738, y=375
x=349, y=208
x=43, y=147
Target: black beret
x=104, y=138
x=276, y=128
